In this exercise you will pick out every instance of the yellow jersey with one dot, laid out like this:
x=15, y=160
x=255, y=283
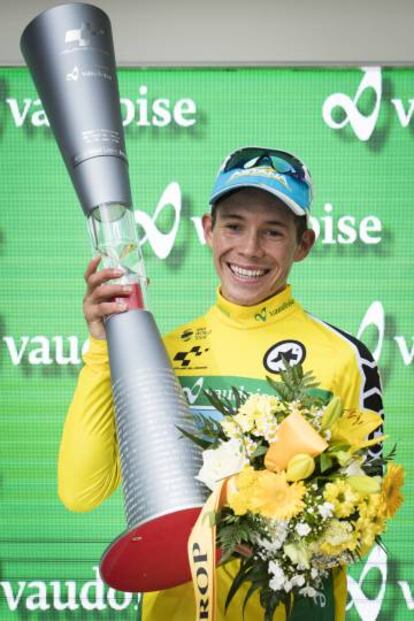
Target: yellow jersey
x=229, y=346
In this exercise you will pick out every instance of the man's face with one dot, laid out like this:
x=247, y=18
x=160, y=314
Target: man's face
x=254, y=244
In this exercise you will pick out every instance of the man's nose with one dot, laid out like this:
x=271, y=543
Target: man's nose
x=251, y=245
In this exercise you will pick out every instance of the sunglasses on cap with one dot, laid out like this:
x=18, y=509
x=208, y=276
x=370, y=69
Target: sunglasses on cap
x=282, y=162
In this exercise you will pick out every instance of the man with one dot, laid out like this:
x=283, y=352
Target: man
x=257, y=230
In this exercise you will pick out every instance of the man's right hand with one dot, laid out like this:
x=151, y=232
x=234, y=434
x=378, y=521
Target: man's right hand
x=99, y=298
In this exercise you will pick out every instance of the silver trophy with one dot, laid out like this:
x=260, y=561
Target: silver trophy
x=69, y=51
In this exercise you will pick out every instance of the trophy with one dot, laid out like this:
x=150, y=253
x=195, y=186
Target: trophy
x=69, y=51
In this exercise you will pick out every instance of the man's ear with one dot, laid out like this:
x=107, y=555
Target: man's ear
x=305, y=245
x=207, y=223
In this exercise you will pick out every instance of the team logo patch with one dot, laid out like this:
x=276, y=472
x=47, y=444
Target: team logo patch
x=292, y=351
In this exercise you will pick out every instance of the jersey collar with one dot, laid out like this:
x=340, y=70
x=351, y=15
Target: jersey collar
x=268, y=311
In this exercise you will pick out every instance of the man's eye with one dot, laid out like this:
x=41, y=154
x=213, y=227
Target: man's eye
x=233, y=227
x=273, y=233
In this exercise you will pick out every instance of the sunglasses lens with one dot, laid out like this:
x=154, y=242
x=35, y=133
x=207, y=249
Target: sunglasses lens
x=282, y=162
x=282, y=166
x=243, y=157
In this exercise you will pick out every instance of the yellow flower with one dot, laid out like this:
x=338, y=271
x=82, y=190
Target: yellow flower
x=246, y=479
x=239, y=489
x=275, y=498
x=364, y=484
x=331, y=412
x=370, y=506
x=257, y=416
x=354, y=426
x=265, y=493
x=366, y=535
x=258, y=405
x=342, y=496
x=300, y=467
x=391, y=489
x=368, y=527
x=339, y=536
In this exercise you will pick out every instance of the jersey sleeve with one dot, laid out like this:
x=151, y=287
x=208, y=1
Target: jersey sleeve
x=89, y=467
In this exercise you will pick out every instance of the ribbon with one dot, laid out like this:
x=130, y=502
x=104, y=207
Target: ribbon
x=202, y=556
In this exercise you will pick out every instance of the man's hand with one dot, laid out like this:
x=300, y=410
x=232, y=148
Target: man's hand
x=99, y=300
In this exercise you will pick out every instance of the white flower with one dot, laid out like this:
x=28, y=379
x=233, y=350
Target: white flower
x=230, y=428
x=298, y=580
x=298, y=554
x=303, y=529
x=278, y=576
x=278, y=531
x=326, y=510
x=308, y=591
x=288, y=586
x=354, y=467
x=227, y=459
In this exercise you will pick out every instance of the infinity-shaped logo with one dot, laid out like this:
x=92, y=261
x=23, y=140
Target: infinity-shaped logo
x=369, y=609
x=362, y=125
x=193, y=393
x=161, y=243
x=261, y=315
x=375, y=316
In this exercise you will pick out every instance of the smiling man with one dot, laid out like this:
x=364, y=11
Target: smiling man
x=257, y=230
x=255, y=240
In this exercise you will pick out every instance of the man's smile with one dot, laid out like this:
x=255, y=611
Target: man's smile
x=247, y=273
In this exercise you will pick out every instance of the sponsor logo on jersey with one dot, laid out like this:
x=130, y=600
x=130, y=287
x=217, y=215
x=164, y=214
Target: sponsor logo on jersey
x=198, y=334
x=187, y=334
x=264, y=313
x=261, y=315
x=185, y=358
x=293, y=352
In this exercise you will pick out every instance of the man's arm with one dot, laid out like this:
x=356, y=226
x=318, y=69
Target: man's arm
x=89, y=470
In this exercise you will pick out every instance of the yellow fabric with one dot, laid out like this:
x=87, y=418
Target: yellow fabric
x=229, y=342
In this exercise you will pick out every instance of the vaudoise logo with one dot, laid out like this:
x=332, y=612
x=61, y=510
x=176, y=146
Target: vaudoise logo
x=364, y=123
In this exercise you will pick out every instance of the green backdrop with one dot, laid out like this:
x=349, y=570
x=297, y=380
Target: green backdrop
x=354, y=129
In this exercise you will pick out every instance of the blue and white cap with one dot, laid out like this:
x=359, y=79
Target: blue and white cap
x=277, y=172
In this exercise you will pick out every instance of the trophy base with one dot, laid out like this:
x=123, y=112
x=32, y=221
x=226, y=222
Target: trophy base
x=152, y=556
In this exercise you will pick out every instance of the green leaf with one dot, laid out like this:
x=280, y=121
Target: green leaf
x=252, y=589
x=219, y=403
x=240, y=396
x=241, y=577
x=295, y=385
x=392, y=454
x=379, y=541
x=326, y=462
x=204, y=444
x=260, y=450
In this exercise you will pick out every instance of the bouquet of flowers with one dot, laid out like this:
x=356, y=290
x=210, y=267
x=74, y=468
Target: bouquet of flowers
x=303, y=493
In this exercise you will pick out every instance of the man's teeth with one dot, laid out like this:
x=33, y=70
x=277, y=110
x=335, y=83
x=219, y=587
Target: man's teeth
x=241, y=271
